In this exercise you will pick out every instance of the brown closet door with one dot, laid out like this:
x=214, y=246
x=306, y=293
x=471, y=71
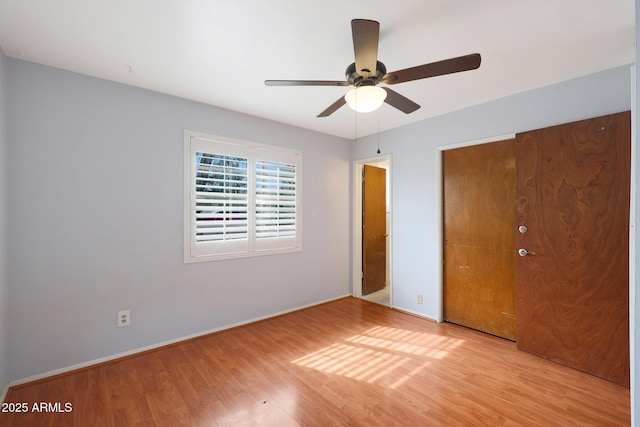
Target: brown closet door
x=572, y=291
x=374, y=229
x=479, y=235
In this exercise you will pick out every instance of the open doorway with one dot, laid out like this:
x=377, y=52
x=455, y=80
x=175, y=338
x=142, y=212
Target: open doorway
x=382, y=296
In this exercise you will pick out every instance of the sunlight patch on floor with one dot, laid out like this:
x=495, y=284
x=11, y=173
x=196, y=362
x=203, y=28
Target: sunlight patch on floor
x=380, y=351
x=350, y=361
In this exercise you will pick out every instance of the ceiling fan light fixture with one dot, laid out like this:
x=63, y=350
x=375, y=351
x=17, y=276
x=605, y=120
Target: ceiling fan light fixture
x=364, y=99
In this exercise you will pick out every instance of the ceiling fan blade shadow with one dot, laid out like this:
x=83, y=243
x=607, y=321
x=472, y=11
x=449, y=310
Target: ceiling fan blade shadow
x=400, y=102
x=306, y=83
x=366, y=34
x=447, y=66
x=333, y=107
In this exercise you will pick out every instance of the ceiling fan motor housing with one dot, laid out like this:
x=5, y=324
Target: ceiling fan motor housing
x=356, y=79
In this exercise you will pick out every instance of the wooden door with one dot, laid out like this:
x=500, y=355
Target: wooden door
x=479, y=237
x=374, y=229
x=572, y=295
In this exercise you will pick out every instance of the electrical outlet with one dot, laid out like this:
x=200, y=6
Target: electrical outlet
x=419, y=298
x=124, y=318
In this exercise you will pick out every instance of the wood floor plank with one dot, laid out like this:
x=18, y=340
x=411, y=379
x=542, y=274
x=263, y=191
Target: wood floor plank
x=126, y=393
x=349, y=362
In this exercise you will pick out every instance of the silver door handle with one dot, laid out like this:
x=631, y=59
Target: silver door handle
x=524, y=252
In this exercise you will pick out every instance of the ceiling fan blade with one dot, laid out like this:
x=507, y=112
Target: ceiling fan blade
x=448, y=66
x=401, y=102
x=333, y=107
x=365, y=45
x=306, y=83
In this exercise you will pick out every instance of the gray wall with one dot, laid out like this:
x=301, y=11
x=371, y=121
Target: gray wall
x=4, y=283
x=416, y=168
x=96, y=222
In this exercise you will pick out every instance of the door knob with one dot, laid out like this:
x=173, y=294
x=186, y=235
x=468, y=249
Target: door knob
x=524, y=252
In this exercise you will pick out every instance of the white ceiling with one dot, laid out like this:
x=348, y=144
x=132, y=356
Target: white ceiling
x=220, y=51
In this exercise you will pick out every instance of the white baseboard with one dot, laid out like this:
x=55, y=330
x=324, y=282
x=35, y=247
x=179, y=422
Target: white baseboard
x=158, y=345
x=414, y=313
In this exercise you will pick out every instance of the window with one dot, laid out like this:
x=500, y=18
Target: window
x=241, y=199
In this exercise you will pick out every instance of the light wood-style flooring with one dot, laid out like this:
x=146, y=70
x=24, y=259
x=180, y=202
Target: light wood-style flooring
x=348, y=362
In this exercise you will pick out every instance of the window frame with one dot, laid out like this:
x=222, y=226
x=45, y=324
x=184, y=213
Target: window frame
x=228, y=249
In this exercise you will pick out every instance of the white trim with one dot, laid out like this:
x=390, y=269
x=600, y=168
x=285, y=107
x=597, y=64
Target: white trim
x=633, y=250
x=356, y=257
x=161, y=344
x=486, y=140
x=415, y=313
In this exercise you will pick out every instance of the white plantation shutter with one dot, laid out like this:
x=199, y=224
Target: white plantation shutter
x=221, y=188
x=275, y=199
x=241, y=199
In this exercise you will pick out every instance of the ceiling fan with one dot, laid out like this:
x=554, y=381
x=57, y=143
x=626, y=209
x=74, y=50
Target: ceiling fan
x=367, y=72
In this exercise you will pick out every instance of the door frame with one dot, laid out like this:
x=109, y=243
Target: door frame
x=356, y=256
